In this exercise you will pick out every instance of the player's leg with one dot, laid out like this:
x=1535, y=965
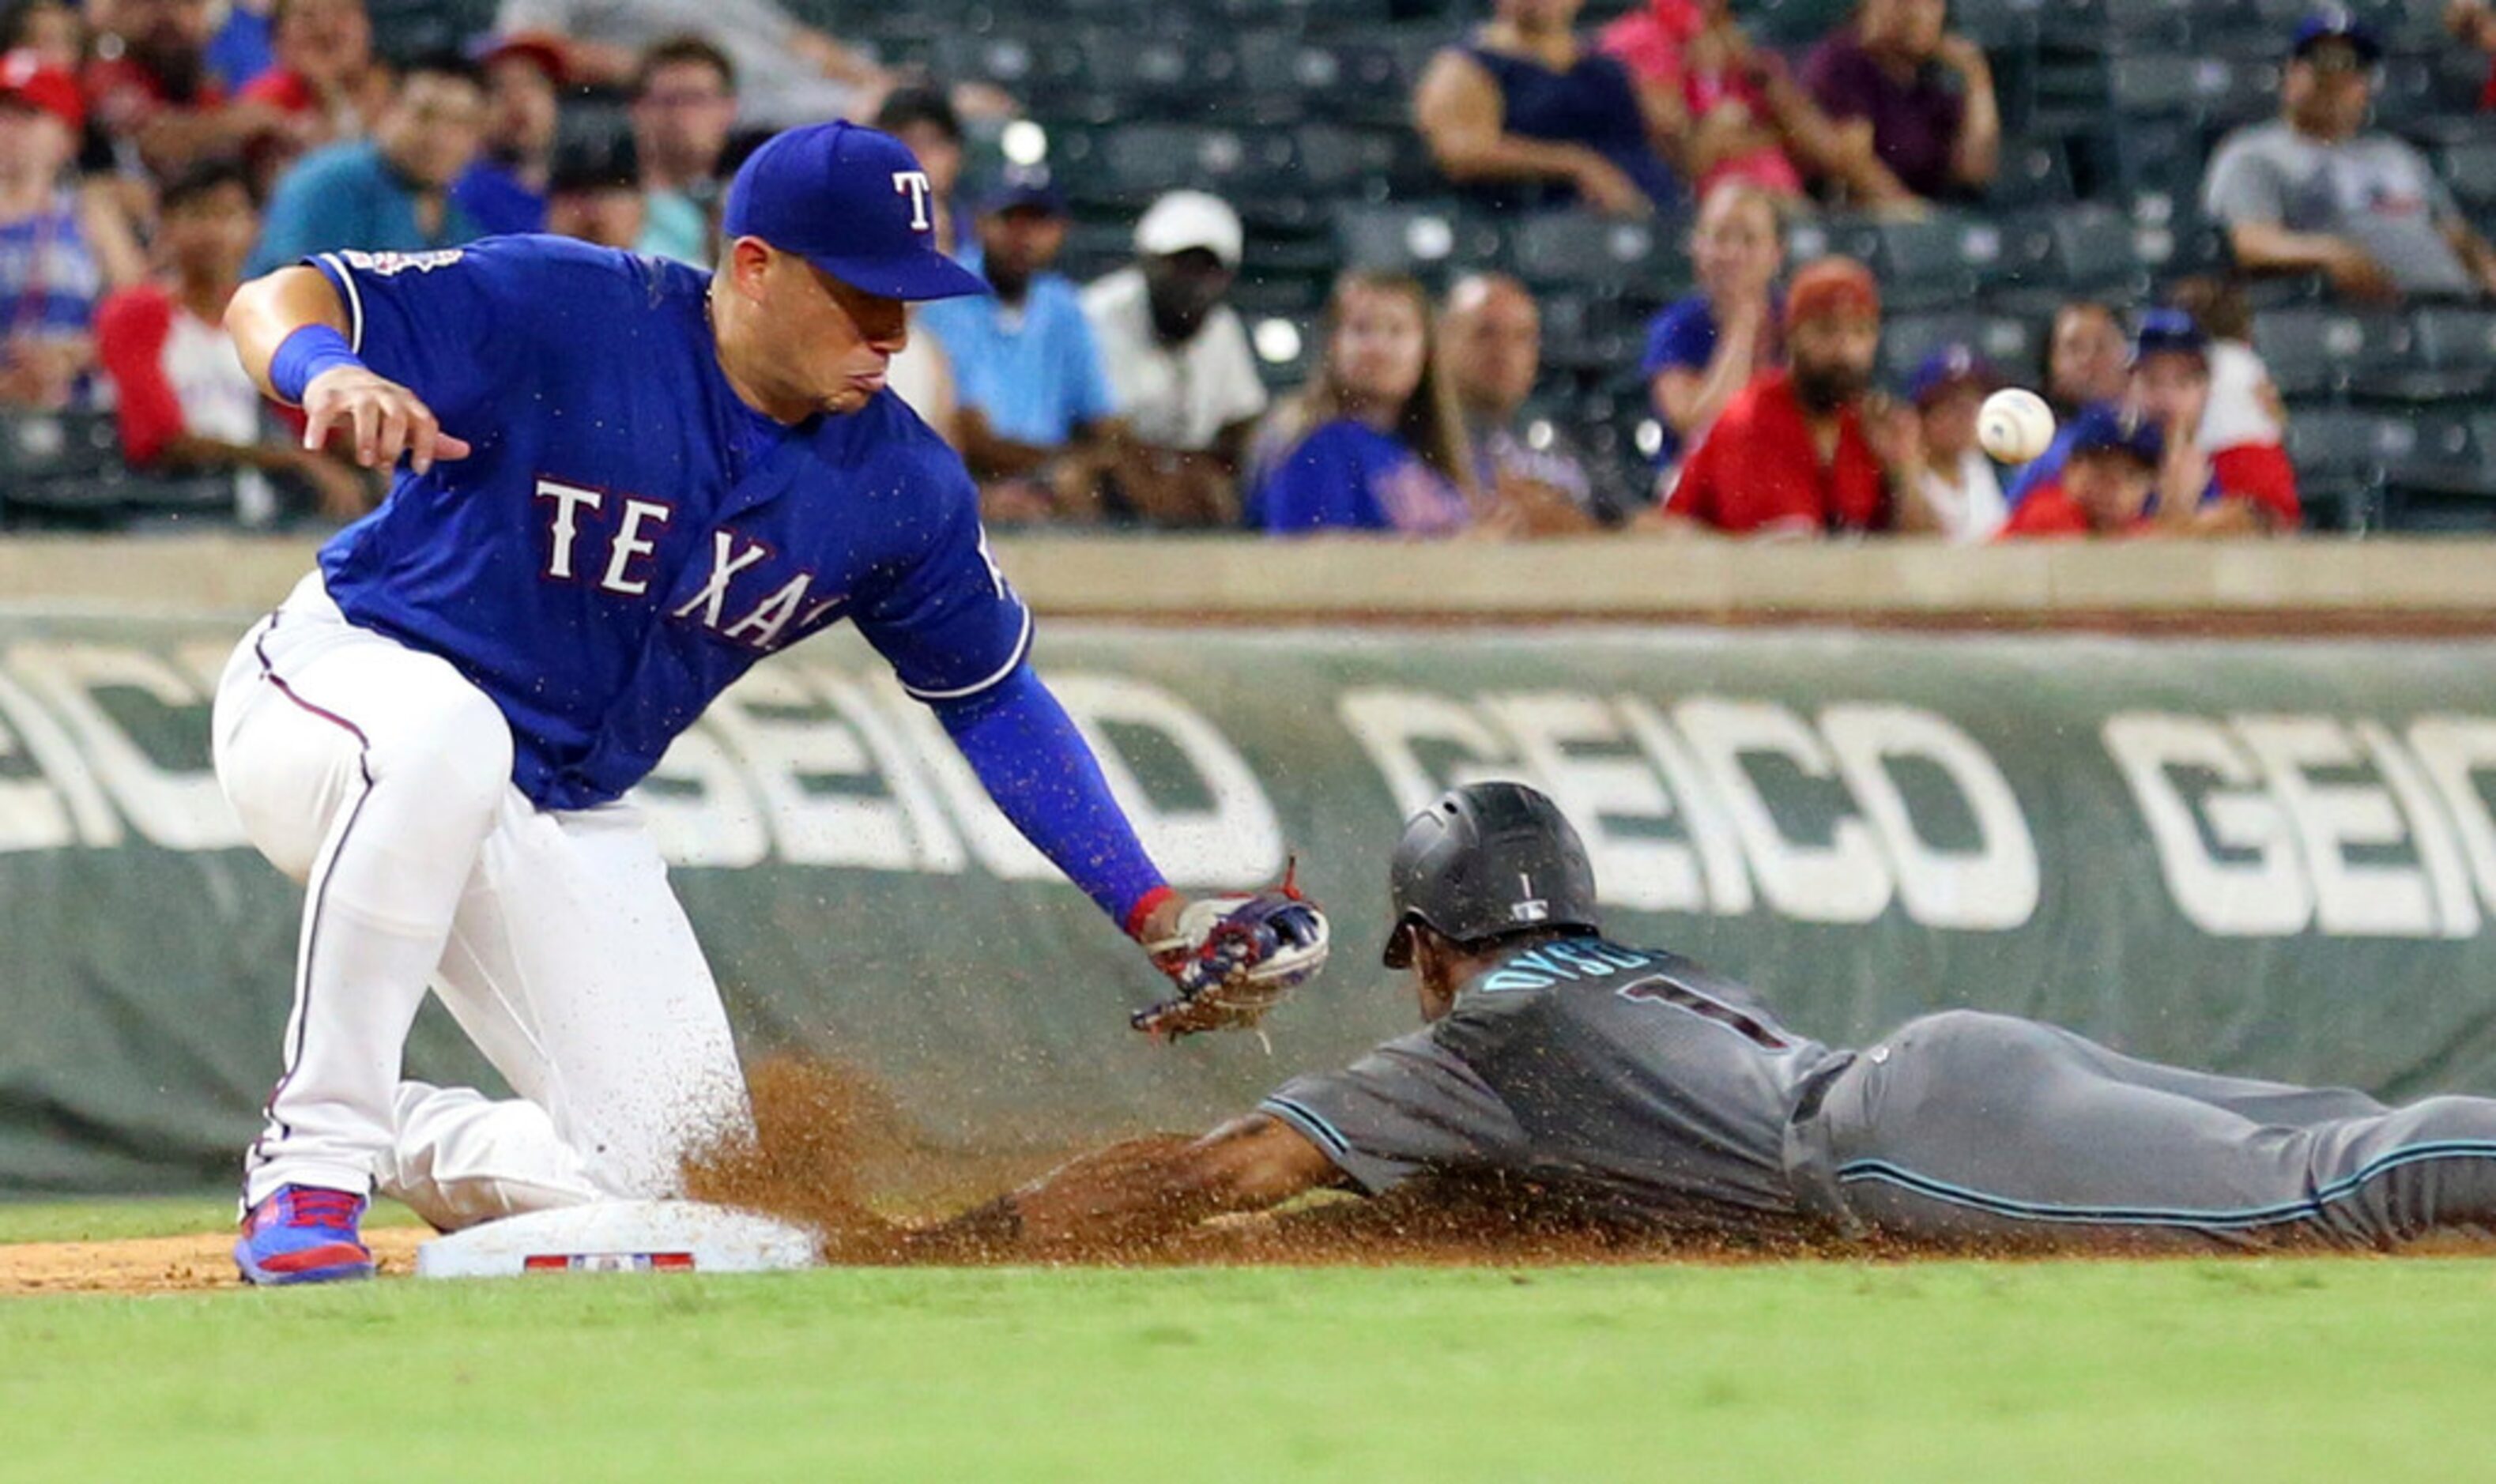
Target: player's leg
x=574, y=968
x=373, y=774
x=2406, y=1172
x=2263, y=1102
x=1969, y=1127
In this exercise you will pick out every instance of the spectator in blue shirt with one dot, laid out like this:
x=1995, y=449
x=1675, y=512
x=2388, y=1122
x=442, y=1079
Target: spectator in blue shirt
x=504, y=189
x=1374, y=442
x=1705, y=348
x=391, y=192
x=1037, y=420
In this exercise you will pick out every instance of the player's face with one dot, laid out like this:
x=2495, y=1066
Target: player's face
x=211, y=234
x=2110, y=488
x=1379, y=347
x=2171, y=387
x=831, y=341
x=2087, y=358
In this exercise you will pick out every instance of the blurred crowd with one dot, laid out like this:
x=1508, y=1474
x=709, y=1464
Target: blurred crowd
x=153, y=153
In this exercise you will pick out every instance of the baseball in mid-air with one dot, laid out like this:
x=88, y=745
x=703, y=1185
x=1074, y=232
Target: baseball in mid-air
x=2015, y=426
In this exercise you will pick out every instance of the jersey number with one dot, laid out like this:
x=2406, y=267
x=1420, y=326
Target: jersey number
x=1681, y=996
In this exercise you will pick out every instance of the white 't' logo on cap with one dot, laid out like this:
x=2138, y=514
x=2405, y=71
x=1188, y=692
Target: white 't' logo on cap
x=914, y=185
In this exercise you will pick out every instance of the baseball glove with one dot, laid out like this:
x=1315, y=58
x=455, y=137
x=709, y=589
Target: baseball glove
x=1234, y=958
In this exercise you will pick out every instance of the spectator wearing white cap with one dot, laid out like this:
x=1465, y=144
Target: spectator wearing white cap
x=1179, y=365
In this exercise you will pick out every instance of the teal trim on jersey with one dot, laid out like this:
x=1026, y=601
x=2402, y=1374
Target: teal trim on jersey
x=1307, y=1120
x=1881, y=1171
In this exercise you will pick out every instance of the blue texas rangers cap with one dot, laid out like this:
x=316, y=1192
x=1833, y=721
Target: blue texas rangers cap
x=2105, y=429
x=2163, y=330
x=1955, y=364
x=852, y=201
x=2337, y=23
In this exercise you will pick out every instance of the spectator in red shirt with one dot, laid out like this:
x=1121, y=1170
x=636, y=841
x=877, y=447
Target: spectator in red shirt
x=1792, y=456
x=1748, y=120
x=184, y=403
x=149, y=88
x=2106, y=486
x=325, y=78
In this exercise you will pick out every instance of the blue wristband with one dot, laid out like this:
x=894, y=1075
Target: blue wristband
x=305, y=354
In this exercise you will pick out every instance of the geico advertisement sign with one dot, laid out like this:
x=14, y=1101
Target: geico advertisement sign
x=2261, y=825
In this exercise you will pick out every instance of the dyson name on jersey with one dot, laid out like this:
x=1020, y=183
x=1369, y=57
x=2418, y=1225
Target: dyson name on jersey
x=1562, y=963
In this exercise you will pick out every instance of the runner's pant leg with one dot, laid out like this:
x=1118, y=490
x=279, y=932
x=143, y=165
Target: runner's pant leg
x=1984, y=1129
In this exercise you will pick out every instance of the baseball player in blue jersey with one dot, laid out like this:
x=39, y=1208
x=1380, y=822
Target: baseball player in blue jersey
x=624, y=482
x=1562, y=1071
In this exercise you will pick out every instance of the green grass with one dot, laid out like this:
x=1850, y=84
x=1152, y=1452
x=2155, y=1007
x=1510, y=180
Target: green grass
x=114, y=1221
x=2234, y=1369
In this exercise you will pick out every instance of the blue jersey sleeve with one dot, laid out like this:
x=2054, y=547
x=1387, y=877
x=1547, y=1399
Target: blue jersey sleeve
x=443, y=324
x=1683, y=336
x=948, y=624
x=1043, y=775
x=1320, y=484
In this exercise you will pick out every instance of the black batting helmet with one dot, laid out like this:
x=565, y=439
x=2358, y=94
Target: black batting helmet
x=1487, y=858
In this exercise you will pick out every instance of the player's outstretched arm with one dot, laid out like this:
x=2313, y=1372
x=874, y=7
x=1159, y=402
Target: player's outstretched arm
x=291, y=333
x=1142, y=1190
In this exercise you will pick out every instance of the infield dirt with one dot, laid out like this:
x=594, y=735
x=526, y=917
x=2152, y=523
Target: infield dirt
x=831, y=1153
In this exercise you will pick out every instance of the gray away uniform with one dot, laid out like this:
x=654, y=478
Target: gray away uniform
x=1668, y=1098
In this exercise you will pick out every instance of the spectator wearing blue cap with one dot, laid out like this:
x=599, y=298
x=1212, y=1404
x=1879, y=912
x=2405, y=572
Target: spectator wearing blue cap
x=1952, y=490
x=2167, y=381
x=2315, y=191
x=2105, y=489
x=1036, y=417
x=2244, y=491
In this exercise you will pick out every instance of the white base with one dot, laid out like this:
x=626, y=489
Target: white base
x=620, y=1236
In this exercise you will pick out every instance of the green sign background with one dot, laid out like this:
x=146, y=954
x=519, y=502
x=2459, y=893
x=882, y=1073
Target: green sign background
x=2270, y=857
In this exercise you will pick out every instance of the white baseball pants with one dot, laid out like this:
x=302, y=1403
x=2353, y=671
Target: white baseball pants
x=377, y=775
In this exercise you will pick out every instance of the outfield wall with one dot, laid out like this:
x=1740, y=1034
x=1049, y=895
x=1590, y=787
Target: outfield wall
x=2266, y=854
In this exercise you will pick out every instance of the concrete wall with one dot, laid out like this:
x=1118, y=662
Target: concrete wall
x=2433, y=585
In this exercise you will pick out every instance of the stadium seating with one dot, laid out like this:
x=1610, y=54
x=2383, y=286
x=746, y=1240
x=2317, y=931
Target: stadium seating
x=64, y=471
